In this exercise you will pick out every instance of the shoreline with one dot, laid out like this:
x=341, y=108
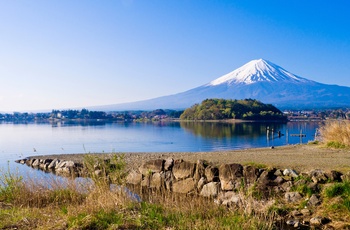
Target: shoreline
x=298, y=157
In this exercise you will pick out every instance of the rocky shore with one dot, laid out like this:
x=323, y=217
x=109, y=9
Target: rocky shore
x=298, y=157
x=288, y=179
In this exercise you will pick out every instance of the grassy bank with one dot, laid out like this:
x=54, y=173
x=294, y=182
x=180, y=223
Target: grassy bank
x=75, y=205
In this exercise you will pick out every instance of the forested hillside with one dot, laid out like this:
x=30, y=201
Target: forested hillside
x=219, y=109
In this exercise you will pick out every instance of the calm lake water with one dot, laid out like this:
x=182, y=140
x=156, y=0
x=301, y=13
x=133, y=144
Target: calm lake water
x=22, y=140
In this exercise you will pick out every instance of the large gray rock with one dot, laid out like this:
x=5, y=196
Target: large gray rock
x=212, y=173
x=318, y=221
x=251, y=174
x=53, y=164
x=318, y=176
x=134, y=178
x=36, y=163
x=230, y=175
x=266, y=182
x=210, y=190
x=292, y=197
x=168, y=180
x=291, y=173
x=314, y=200
x=152, y=166
x=157, y=181
x=168, y=164
x=184, y=186
x=334, y=176
x=200, y=170
x=201, y=183
x=65, y=164
x=183, y=170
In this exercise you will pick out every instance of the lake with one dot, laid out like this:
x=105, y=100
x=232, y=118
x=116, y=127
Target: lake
x=23, y=140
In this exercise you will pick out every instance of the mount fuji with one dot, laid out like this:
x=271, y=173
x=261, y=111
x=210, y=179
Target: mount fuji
x=258, y=79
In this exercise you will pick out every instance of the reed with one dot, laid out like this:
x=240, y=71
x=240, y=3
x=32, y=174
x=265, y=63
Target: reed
x=336, y=133
x=96, y=204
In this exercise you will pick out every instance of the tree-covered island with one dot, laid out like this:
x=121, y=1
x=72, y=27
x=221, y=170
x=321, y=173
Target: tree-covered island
x=220, y=109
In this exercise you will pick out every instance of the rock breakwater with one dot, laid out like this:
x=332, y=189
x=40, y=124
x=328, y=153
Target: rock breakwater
x=295, y=196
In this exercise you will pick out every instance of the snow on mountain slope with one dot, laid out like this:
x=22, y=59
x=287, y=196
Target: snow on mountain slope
x=257, y=71
x=258, y=79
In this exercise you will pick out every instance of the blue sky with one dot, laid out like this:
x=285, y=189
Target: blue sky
x=69, y=53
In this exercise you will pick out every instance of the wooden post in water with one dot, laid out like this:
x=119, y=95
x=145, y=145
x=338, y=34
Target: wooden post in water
x=267, y=132
x=287, y=136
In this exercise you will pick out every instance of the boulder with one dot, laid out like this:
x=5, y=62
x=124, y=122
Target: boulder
x=210, y=190
x=266, y=182
x=318, y=176
x=152, y=166
x=290, y=173
x=201, y=183
x=212, y=173
x=53, y=164
x=250, y=174
x=168, y=164
x=345, y=177
x=200, y=170
x=279, y=180
x=305, y=212
x=230, y=175
x=134, y=178
x=183, y=170
x=334, y=176
x=65, y=164
x=35, y=163
x=314, y=200
x=29, y=162
x=278, y=172
x=168, y=179
x=287, y=186
x=184, y=186
x=65, y=171
x=157, y=180
x=292, y=197
x=146, y=181
x=318, y=221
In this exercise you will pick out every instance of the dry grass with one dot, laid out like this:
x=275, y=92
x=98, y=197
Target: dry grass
x=70, y=204
x=336, y=133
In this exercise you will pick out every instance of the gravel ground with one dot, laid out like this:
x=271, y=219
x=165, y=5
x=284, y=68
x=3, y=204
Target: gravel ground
x=302, y=158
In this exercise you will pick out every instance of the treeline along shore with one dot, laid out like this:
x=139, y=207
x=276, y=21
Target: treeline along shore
x=209, y=109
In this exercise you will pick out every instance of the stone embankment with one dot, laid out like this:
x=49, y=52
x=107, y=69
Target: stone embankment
x=230, y=184
x=66, y=168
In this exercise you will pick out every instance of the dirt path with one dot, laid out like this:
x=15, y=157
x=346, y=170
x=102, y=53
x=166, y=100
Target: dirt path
x=302, y=158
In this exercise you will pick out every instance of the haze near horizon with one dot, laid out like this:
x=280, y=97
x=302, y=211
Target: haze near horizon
x=74, y=54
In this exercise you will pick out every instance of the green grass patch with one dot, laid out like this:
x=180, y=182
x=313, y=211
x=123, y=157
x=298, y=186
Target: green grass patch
x=338, y=189
x=96, y=220
x=303, y=189
x=336, y=144
x=10, y=185
x=256, y=165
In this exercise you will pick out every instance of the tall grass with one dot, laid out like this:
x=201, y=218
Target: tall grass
x=31, y=205
x=336, y=133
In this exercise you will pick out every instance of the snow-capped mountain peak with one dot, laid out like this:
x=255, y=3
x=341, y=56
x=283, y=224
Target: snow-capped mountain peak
x=257, y=71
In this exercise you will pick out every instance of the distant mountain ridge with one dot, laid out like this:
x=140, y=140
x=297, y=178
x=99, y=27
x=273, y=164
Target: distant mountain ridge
x=258, y=79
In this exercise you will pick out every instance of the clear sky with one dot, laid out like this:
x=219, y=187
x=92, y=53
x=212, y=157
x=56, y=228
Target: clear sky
x=77, y=53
